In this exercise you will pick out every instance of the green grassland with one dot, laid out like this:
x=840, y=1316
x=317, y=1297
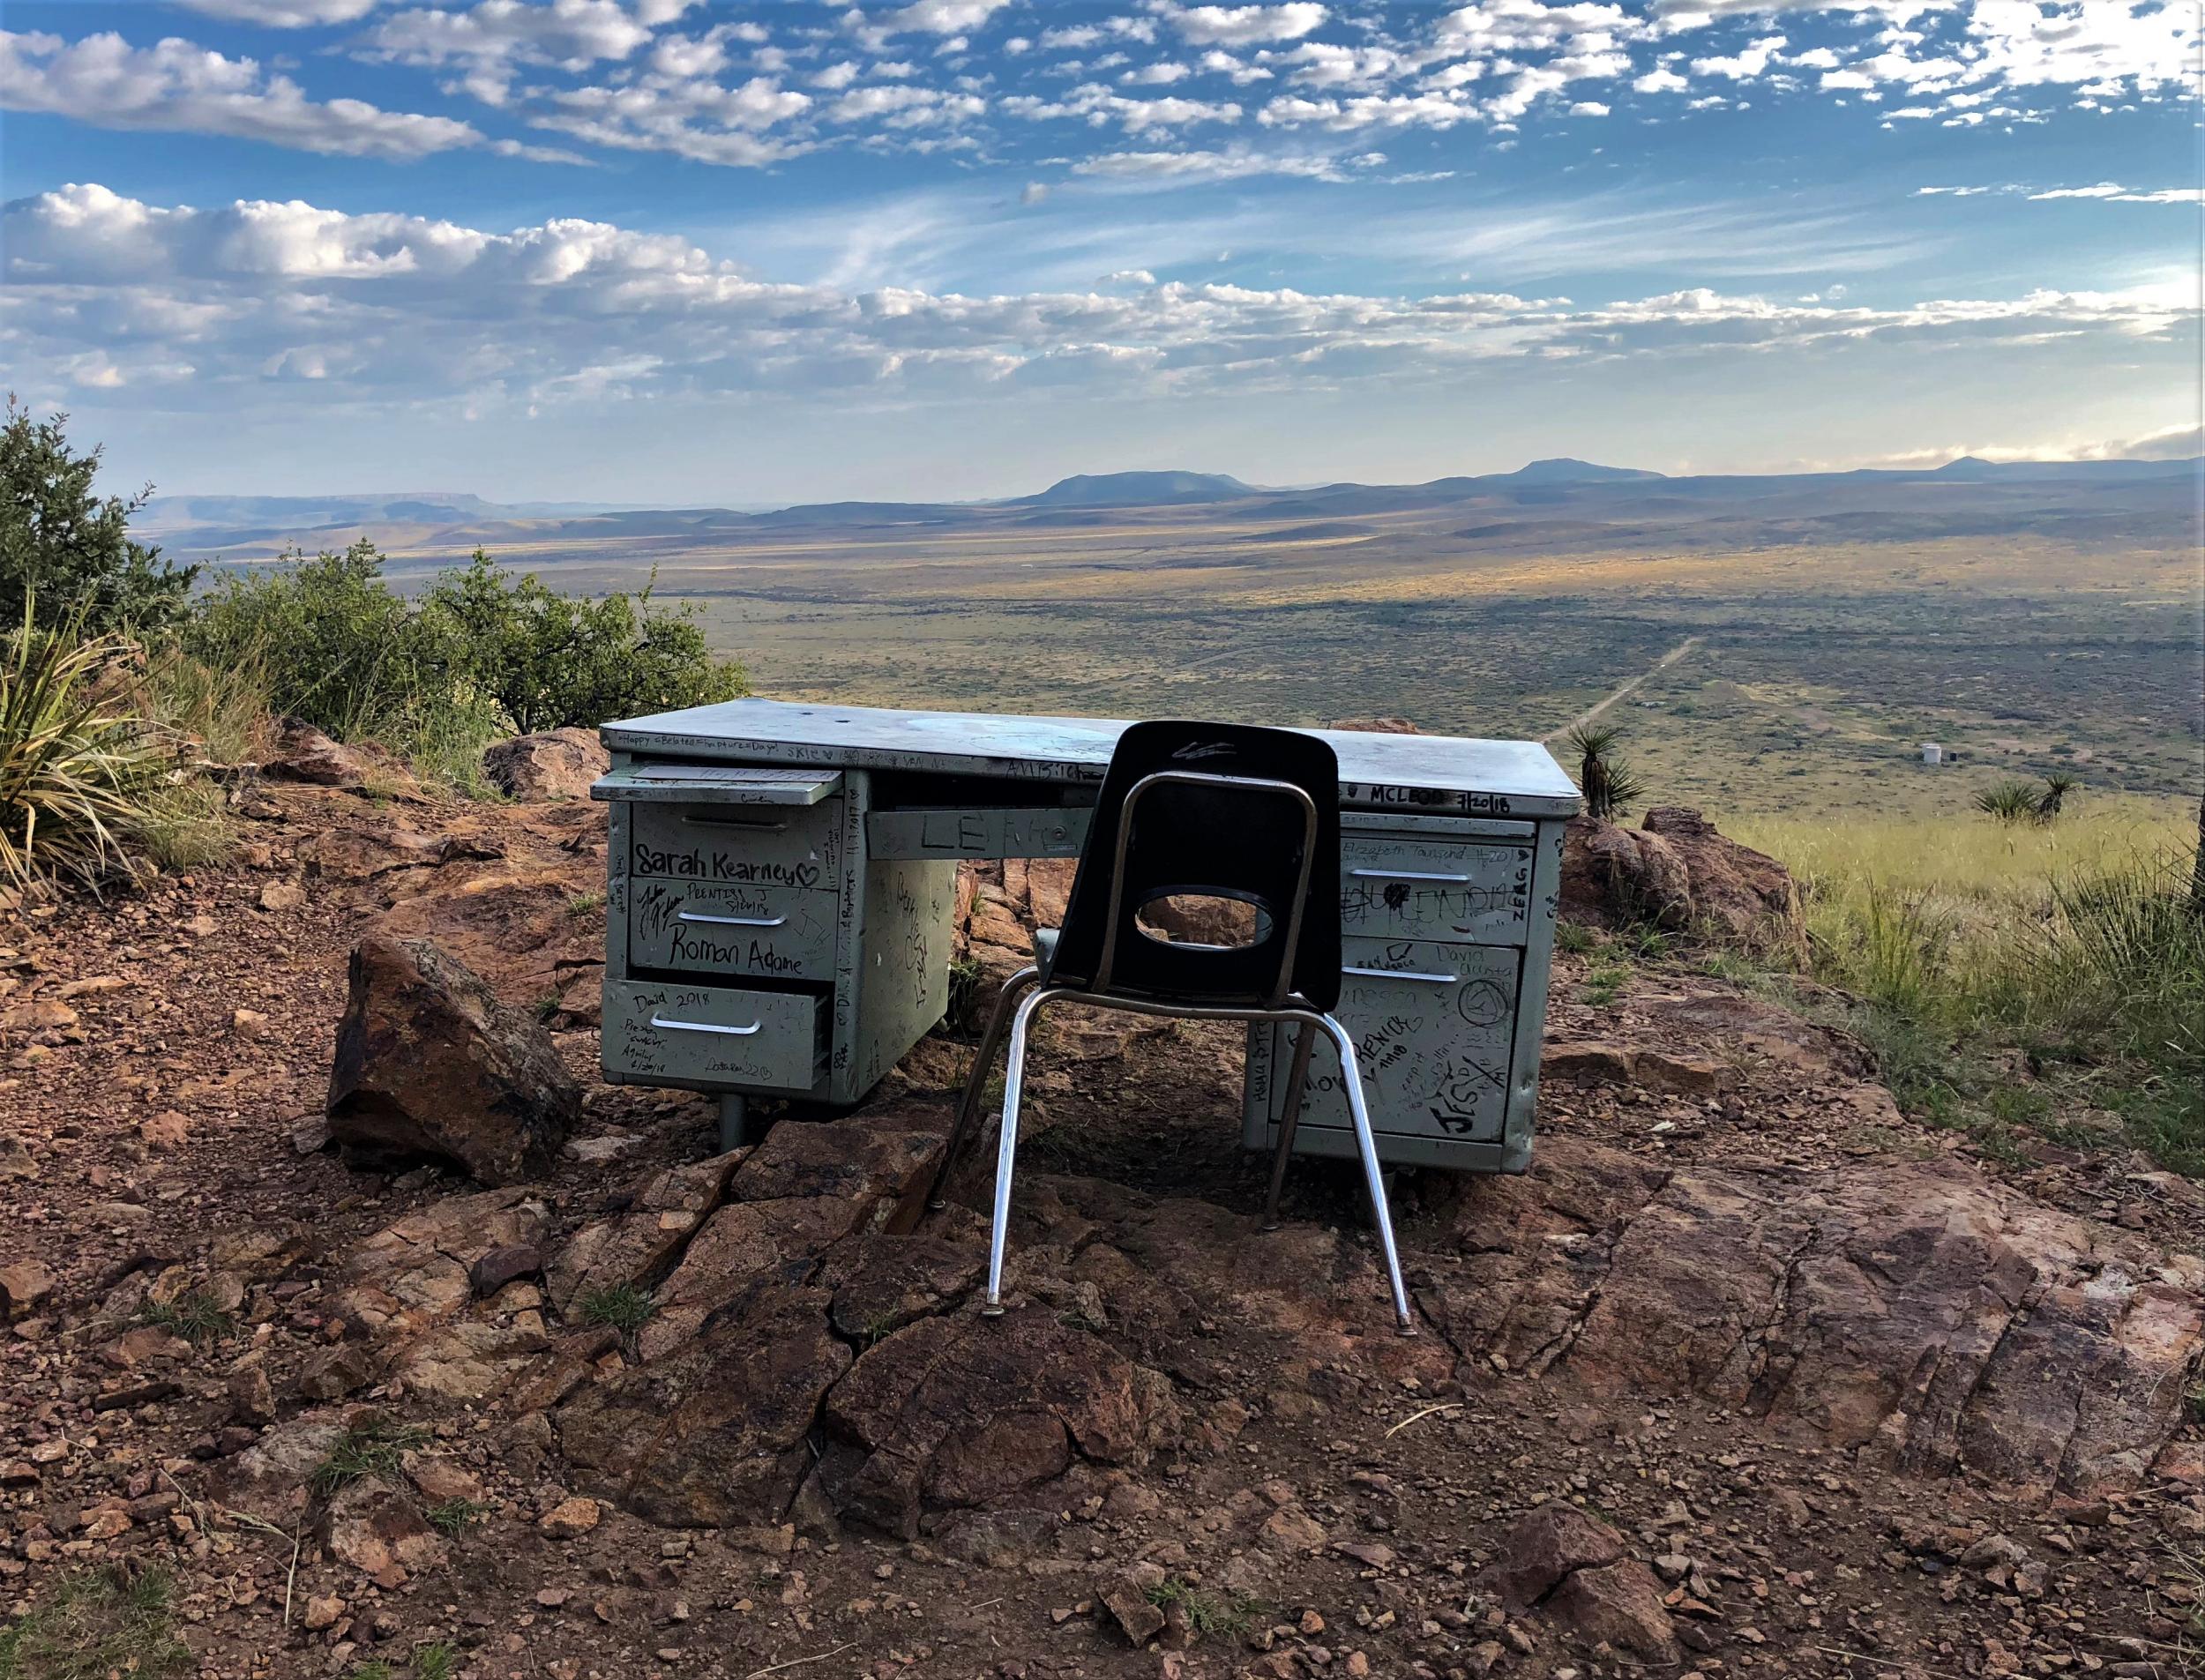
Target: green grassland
x=1814, y=667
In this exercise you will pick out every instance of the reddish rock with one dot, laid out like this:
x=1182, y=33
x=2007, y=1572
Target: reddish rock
x=915, y=1417
x=377, y=1528
x=303, y=753
x=1620, y=1606
x=882, y=1159
x=742, y=1245
x=1910, y=1308
x=882, y=1283
x=504, y=1266
x=1545, y=1547
x=1677, y=872
x=334, y=1372
x=24, y=1288
x=430, y=1061
x=557, y=764
x=636, y=1247
x=715, y=1434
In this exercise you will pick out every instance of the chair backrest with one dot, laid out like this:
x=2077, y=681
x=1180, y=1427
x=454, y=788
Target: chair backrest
x=1219, y=810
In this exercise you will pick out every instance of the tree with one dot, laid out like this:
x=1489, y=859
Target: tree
x=552, y=659
x=66, y=553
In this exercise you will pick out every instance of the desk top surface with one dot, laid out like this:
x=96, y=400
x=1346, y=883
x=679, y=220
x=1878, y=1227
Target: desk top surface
x=1068, y=750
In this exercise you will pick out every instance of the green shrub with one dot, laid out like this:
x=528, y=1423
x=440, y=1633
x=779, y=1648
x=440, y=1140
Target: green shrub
x=550, y=660
x=483, y=654
x=336, y=646
x=79, y=770
x=66, y=554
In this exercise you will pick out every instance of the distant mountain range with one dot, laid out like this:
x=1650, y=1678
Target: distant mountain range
x=1558, y=500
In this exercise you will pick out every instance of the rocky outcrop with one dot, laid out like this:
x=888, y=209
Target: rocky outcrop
x=967, y=1410
x=303, y=753
x=800, y=1193
x=714, y=1434
x=557, y=764
x=1677, y=872
x=1909, y=1308
x=430, y=1061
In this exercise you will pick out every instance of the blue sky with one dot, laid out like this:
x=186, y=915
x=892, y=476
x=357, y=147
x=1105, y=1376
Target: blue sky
x=656, y=251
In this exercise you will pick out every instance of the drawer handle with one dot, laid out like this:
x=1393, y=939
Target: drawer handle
x=733, y=921
x=1407, y=875
x=1402, y=973
x=704, y=1026
x=734, y=822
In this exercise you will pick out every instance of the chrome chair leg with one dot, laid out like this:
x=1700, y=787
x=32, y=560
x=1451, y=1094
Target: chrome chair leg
x=1296, y=1080
x=1351, y=1079
x=1007, y=1145
x=976, y=1081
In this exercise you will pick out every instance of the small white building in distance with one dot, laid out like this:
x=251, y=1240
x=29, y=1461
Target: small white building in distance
x=1932, y=753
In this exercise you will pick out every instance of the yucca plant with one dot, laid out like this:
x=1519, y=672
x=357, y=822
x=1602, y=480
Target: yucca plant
x=1607, y=783
x=77, y=767
x=2056, y=787
x=2009, y=802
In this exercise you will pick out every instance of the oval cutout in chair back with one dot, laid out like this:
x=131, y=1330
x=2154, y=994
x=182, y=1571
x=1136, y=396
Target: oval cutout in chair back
x=1220, y=920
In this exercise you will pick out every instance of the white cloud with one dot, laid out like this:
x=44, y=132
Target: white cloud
x=1660, y=80
x=1743, y=66
x=1588, y=107
x=1094, y=103
x=104, y=81
x=285, y=14
x=572, y=34
x=1228, y=163
x=195, y=308
x=1245, y=25
x=943, y=17
x=2113, y=192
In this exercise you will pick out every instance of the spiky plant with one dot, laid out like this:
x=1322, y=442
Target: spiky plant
x=2056, y=787
x=1606, y=782
x=2009, y=802
x=77, y=767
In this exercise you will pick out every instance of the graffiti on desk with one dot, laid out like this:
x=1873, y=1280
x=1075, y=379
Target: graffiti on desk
x=1392, y=889
x=673, y=928
x=1432, y=1026
x=711, y=864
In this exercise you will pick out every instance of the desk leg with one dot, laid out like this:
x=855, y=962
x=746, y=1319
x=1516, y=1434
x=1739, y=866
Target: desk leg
x=735, y=1115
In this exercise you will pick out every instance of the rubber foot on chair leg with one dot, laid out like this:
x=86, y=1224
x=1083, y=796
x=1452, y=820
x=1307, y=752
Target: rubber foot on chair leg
x=1408, y=1333
x=993, y=1310
x=936, y=1206
x=1271, y=1225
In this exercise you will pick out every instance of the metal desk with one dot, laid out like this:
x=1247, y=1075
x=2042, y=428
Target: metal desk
x=782, y=879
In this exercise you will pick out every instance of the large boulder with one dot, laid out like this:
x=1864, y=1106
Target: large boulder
x=430, y=1062
x=557, y=764
x=1677, y=872
x=1911, y=1310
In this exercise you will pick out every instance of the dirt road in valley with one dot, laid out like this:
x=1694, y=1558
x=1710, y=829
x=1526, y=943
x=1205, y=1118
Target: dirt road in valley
x=1630, y=688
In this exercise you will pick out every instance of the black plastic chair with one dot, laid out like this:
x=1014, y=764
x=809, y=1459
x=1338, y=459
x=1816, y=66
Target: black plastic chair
x=1214, y=810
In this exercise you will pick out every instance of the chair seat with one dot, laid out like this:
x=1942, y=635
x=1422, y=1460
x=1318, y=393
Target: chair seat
x=1045, y=950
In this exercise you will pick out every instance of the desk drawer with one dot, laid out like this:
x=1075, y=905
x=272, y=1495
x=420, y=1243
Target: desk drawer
x=714, y=1033
x=787, y=846
x=775, y=932
x=1422, y=886
x=1433, y=1025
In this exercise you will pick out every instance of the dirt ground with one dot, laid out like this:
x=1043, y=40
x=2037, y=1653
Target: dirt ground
x=1336, y=1511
